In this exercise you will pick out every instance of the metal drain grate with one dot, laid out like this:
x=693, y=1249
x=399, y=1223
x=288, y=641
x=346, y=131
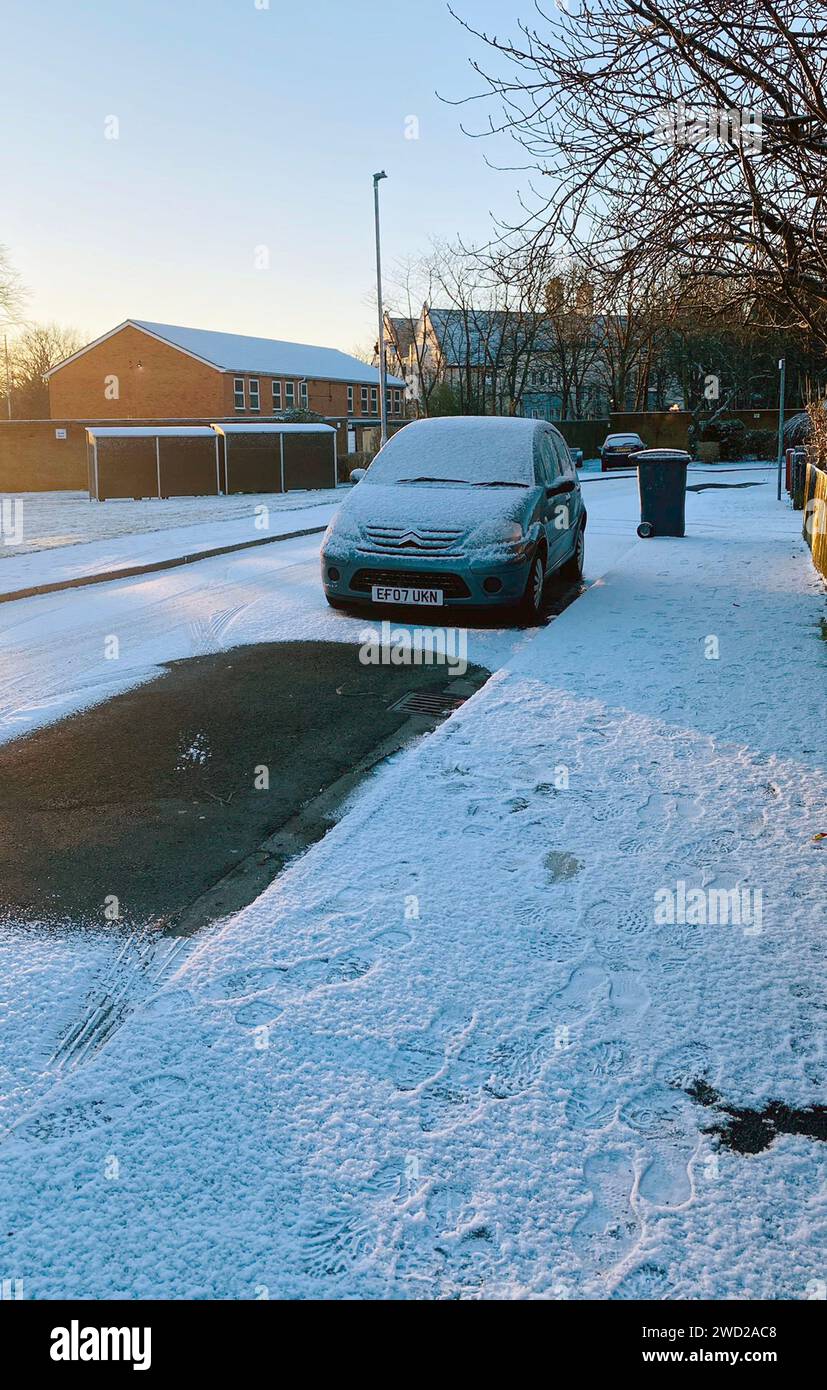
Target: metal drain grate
x=437, y=705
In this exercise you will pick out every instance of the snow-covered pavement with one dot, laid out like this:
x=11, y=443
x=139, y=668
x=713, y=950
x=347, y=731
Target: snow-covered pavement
x=448, y=1052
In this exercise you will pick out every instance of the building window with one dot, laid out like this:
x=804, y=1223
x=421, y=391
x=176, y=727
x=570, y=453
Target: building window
x=289, y=393
x=303, y=394
x=364, y=400
x=374, y=400
x=238, y=392
x=350, y=400
x=397, y=402
x=277, y=395
x=255, y=395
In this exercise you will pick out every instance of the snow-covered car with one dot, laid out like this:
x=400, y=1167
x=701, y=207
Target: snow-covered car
x=617, y=450
x=458, y=511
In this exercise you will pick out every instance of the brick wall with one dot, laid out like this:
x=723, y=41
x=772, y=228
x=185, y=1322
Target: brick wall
x=33, y=459
x=133, y=376
x=668, y=429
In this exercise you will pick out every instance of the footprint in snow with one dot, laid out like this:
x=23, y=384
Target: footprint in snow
x=665, y=1121
x=647, y=1283
x=628, y=994
x=62, y=1123
x=590, y=1110
x=581, y=990
x=168, y=1002
x=243, y=982
x=257, y=1013
x=332, y=1244
x=445, y=1105
x=606, y=1059
x=163, y=1087
x=610, y=1228
x=682, y=1065
x=665, y=1181
x=424, y=1054
x=517, y=1064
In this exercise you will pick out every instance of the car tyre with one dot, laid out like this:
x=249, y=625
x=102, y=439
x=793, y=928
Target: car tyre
x=573, y=567
x=533, y=597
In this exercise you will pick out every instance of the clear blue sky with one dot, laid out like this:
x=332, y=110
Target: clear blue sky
x=239, y=127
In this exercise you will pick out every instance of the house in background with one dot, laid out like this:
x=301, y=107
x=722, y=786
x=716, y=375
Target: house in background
x=494, y=362
x=158, y=371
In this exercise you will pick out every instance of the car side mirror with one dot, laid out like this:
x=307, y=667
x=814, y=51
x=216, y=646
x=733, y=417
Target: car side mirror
x=357, y=475
x=556, y=489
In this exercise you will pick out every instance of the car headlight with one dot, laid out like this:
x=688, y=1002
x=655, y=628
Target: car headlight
x=340, y=531
x=498, y=533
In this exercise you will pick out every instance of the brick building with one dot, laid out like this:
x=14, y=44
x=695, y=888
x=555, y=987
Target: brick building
x=157, y=371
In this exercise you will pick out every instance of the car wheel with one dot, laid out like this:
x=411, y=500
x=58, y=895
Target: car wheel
x=533, y=596
x=573, y=567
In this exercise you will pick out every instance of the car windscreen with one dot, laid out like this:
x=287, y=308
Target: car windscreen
x=460, y=452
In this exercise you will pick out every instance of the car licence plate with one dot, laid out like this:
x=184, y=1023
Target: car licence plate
x=391, y=593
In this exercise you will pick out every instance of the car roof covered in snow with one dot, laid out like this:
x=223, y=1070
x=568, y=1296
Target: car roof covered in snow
x=470, y=448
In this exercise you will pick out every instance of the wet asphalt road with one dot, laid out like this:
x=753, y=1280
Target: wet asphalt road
x=158, y=795
x=153, y=796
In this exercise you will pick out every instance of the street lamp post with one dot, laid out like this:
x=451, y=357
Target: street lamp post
x=383, y=404
x=782, y=367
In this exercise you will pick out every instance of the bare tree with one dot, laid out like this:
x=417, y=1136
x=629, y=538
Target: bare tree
x=691, y=132
x=11, y=290
x=409, y=292
x=32, y=354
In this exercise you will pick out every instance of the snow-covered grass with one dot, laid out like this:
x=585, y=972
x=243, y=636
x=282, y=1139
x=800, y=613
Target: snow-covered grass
x=49, y=519
x=69, y=563
x=447, y=1053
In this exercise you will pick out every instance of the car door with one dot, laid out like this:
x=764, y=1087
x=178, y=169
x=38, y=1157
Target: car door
x=545, y=476
x=561, y=504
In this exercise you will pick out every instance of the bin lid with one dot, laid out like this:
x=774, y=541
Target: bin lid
x=662, y=456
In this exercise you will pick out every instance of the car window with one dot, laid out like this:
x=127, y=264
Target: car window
x=543, y=461
x=552, y=454
x=561, y=449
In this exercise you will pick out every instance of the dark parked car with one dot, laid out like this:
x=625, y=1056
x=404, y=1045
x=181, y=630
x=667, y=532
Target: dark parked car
x=617, y=450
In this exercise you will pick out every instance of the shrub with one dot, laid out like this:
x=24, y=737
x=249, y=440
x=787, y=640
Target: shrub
x=762, y=443
x=818, y=431
x=729, y=435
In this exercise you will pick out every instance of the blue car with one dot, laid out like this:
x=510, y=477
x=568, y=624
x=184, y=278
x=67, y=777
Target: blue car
x=458, y=512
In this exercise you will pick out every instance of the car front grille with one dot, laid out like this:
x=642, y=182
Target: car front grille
x=452, y=585
x=401, y=540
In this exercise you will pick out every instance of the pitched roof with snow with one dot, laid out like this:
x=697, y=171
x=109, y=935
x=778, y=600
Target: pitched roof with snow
x=235, y=352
